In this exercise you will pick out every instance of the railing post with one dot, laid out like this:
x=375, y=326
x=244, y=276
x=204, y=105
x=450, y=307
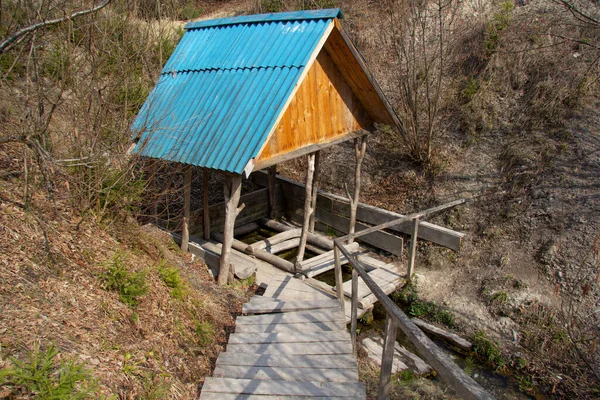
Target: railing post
x=413, y=249
x=338, y=277
x=387, y=358
x=354, y=309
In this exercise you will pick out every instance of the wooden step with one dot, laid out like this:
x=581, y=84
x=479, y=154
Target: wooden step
x=319, y=326
x=293, y=348
x=275, y=306
x=286, y=373
x=283, y=388
x=387, y=280
x=232, y=396
x=336, y=361
x=325, y=262
x=292, y=317
x=288, y=337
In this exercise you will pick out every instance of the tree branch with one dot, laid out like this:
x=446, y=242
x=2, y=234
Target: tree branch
x=32, y=28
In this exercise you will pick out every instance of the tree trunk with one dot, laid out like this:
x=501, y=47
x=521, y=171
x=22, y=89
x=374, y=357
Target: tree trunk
x=187, y=192
x=205, y=210
x=232, y=188
x=308, y=210
x=359, y=152
x=315, y=188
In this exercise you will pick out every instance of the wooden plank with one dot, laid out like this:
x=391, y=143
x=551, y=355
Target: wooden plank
x=325, y=257
x=375, y=352
x=286, y=373
x=283, y=246
x=340, y=361
x=286, y=306
x=321, y=326
x=297, y=337
x=450, y=337
x=291, y=317
x=293, y=348
x=381, y=276
x=278, y=238
x=414, y=362
x=389, y=339
x=232, y=396
x=282, y=388
x=316, y=239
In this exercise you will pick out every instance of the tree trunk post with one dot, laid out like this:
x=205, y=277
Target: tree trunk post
x=359, y=152
x=205, y=210
x=187, y=194
x=387, y=358
x=232, y=188
x=413, y=249
x=315, y=188
x=272, y=199
x=308, y=210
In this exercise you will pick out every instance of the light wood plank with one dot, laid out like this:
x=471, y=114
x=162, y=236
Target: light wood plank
x=321, y=326
x=291, y=317
x=231, y=396
x=287, y=306
x=286, y=373
x=293, y=348
x=282, y=388
x=335, y=361
x=296, y=337
x=442, y=333
x=273, y=240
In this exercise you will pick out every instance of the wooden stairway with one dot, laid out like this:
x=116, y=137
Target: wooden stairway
x=287, y=349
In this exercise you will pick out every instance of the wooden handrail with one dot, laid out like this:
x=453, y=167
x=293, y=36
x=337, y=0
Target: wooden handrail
x=399, y=221
x=464, y=385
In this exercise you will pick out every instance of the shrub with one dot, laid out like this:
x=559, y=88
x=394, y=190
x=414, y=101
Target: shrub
x=170, y=276
x=44, y=378
x=129, y=285
x=205, y=332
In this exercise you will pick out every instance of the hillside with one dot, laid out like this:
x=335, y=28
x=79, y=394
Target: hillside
x=499, y=104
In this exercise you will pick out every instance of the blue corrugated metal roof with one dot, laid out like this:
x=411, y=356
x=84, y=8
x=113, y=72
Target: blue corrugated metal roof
x=224, y=86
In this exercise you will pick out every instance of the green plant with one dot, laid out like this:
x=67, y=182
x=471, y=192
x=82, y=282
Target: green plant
x=170, y=276
x=205, y=332
x=190, y=11
x=155, y=386
x=500, y=297
x=470, y=89
x=43, y=377
x=406, y=376
x=488, y=351
x=498, y=23
x=130, y=285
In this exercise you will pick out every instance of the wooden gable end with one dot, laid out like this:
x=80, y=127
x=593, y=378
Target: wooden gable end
x=323, y=110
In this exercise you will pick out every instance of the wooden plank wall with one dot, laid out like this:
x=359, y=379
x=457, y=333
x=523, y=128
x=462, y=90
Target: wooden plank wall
x=257, y=206
x=324, y=108
x=333, y=212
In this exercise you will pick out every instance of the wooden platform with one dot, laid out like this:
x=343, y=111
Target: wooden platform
x=287, y=347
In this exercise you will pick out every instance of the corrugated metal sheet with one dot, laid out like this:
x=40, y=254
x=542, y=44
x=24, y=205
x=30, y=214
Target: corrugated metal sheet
x=223, y=88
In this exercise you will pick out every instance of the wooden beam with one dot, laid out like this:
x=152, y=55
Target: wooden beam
x=232, y=188
x=359, y=154
x=205, y=209
x=272, y=198
x=316, y=239
x=280, y=237
x=387, y=358
x=315, y=188
x=413, y=249
x=309, y=208
x=187, y=193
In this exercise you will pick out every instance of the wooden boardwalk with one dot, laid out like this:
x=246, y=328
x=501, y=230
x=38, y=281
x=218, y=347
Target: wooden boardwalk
x=292, y=345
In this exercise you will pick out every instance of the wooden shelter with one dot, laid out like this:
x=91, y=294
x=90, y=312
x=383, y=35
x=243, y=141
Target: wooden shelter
x=244, y=94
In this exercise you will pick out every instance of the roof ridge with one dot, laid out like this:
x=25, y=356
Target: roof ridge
x=328, y=13
x=212, y=69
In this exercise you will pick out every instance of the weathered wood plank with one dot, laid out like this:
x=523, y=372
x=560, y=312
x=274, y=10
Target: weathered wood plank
x=450, y=337
x=297, y=337
x=325, y=258
x=335, y=361
x=273, y=240
x=292, y=317
x=232, y=396
x=322, y=326
x=293, y=348
x=282, y=388
x=286, y=373
x=414, y=362
x=286, y=306
x=384, y=279
x=316, y=239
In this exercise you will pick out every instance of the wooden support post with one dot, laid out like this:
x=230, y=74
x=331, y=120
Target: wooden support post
x=315, y=189
x=387, y=358
x=232, y=188
x=205, y=210
x=187, y=193
x=339, y=283
x=354, y=309
x=272, y=199
x=308, y=210
x=359, y=152
x=413, y=249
